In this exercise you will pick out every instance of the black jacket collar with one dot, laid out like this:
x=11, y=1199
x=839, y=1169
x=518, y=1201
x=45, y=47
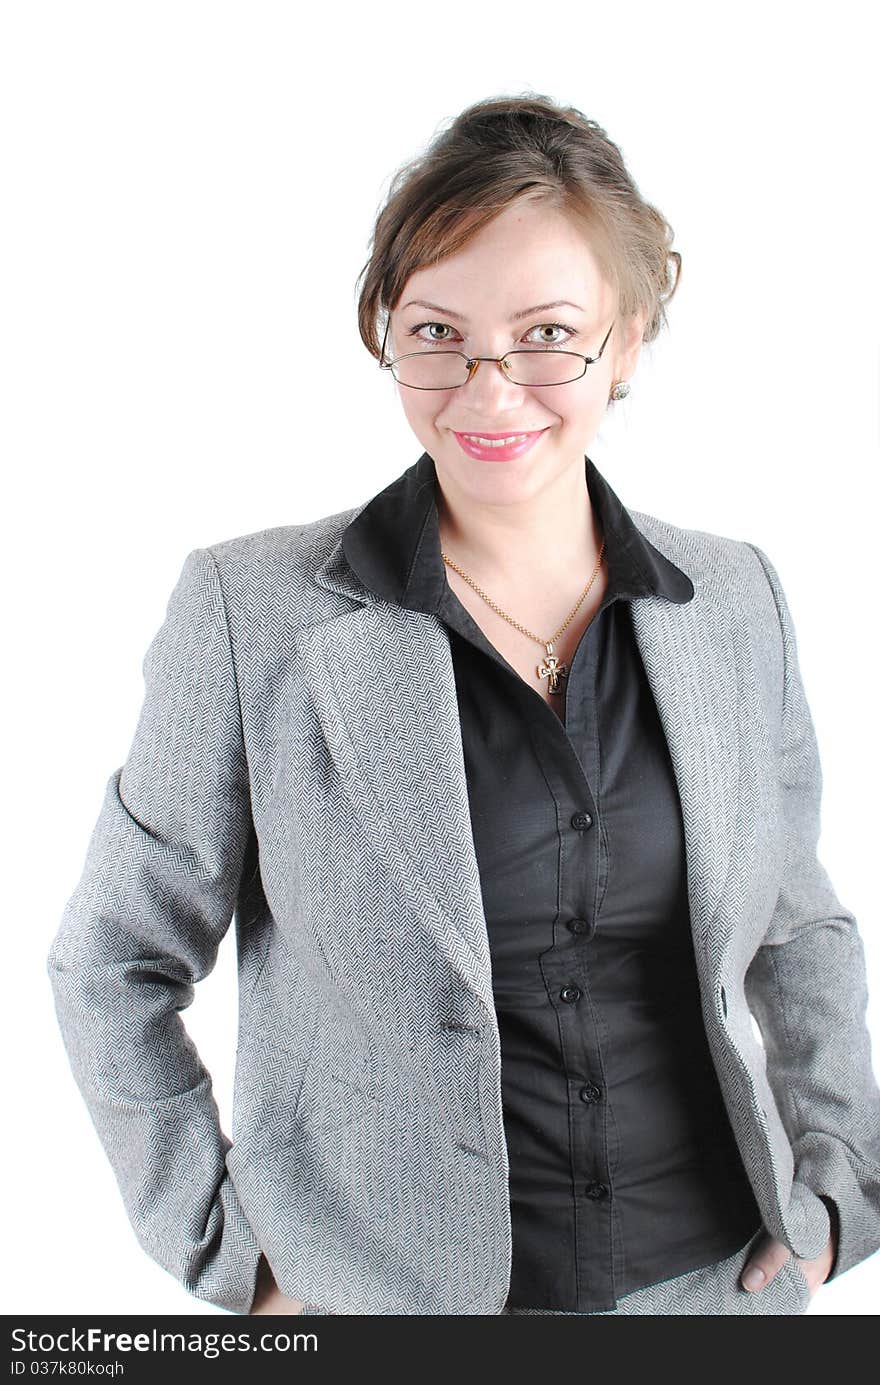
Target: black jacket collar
x=393, y=544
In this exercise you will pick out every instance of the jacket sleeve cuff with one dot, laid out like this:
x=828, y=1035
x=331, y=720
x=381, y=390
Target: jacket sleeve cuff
x=849, y=1191
x=834, y=1214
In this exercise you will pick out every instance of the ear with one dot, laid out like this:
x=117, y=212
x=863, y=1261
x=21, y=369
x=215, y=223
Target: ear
x=629, y=344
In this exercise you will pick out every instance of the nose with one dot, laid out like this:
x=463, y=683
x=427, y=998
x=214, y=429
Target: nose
x=490, y=386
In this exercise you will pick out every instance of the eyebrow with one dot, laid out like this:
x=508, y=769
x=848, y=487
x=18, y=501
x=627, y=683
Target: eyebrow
x=514, y=317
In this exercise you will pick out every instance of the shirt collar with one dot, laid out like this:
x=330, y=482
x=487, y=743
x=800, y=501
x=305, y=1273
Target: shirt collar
x=393, y=544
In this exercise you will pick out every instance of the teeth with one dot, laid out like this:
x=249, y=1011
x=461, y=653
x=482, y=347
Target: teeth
x=496, y=442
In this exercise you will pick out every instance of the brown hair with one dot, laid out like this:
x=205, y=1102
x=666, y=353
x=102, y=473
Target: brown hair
x=497, y=152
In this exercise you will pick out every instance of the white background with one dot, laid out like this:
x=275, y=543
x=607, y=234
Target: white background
x=188, y=191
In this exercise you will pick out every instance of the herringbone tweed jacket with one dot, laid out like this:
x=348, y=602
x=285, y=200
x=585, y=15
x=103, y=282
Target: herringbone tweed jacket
x=298, y=765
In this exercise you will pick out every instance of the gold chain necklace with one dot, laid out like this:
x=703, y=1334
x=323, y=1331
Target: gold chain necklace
x=550, y=666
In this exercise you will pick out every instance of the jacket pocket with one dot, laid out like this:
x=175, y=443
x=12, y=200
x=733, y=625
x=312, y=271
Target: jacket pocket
x=269, y=1082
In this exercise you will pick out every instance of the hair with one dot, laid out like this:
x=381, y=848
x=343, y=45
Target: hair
x=501, y=151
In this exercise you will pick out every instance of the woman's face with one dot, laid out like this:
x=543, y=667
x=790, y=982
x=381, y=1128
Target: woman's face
x=529, y=255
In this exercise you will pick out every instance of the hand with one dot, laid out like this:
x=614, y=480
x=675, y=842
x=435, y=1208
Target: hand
x=268, y=1298
x=769, y=1255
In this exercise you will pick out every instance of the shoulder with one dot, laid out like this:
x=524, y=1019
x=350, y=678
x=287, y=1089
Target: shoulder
x=723, y=569
x=278, y=565
x=713, y=561
x=736, y=590
x=286, y=545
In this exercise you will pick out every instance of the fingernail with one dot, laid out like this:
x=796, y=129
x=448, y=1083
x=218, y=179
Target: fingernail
x=754, y=1277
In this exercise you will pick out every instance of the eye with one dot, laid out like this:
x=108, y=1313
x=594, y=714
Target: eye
x=552, y=327
x=415, y=332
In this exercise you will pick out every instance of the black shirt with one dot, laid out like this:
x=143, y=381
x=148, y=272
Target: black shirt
x=623, y=1165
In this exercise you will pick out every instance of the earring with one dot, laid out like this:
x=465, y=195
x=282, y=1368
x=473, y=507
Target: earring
x=621, y=390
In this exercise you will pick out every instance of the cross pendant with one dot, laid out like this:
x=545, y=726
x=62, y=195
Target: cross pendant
x=551, y=668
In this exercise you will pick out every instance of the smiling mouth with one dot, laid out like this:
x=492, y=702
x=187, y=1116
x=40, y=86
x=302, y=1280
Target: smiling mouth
x=521, y=432
x=499, y=439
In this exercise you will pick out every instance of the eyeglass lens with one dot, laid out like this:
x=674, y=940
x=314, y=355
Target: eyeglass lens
x=443, y=370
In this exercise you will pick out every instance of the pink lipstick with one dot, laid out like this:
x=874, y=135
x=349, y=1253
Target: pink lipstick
x=497, y=450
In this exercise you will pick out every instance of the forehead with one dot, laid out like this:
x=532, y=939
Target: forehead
x=525, y=257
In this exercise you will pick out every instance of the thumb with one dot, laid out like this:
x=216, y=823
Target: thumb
x=764, y=1261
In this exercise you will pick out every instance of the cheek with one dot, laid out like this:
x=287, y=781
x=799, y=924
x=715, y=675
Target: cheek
x=574, y=405
x=424, y=408
x=409, y=402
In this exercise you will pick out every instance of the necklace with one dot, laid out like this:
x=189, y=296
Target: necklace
x=550, y=666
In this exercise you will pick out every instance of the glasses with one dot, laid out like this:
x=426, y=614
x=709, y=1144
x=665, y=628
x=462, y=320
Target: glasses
x=447, y=370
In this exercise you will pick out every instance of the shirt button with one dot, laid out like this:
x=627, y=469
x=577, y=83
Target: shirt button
x=596, y=1191
x=578, y=925
x=581, y=821
x=590, y=1092
x=570, y=994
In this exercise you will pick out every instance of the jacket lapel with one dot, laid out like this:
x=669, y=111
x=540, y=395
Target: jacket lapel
x=689, y=661
x=383, y=686
x=382, y=681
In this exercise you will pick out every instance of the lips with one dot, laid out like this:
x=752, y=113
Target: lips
x=494, y=448
x=516, y=433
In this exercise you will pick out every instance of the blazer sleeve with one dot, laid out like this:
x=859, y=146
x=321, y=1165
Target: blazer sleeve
x=156, y=896
x=807, y=988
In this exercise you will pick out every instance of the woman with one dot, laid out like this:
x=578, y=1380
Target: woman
x=514, y=794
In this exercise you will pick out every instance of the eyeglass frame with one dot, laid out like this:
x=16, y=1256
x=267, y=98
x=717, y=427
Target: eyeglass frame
x=473, y=361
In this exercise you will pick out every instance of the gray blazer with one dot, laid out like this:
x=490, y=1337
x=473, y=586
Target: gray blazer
x=298, y=765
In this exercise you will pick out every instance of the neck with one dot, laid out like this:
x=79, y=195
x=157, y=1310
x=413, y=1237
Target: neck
x=551, y=533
